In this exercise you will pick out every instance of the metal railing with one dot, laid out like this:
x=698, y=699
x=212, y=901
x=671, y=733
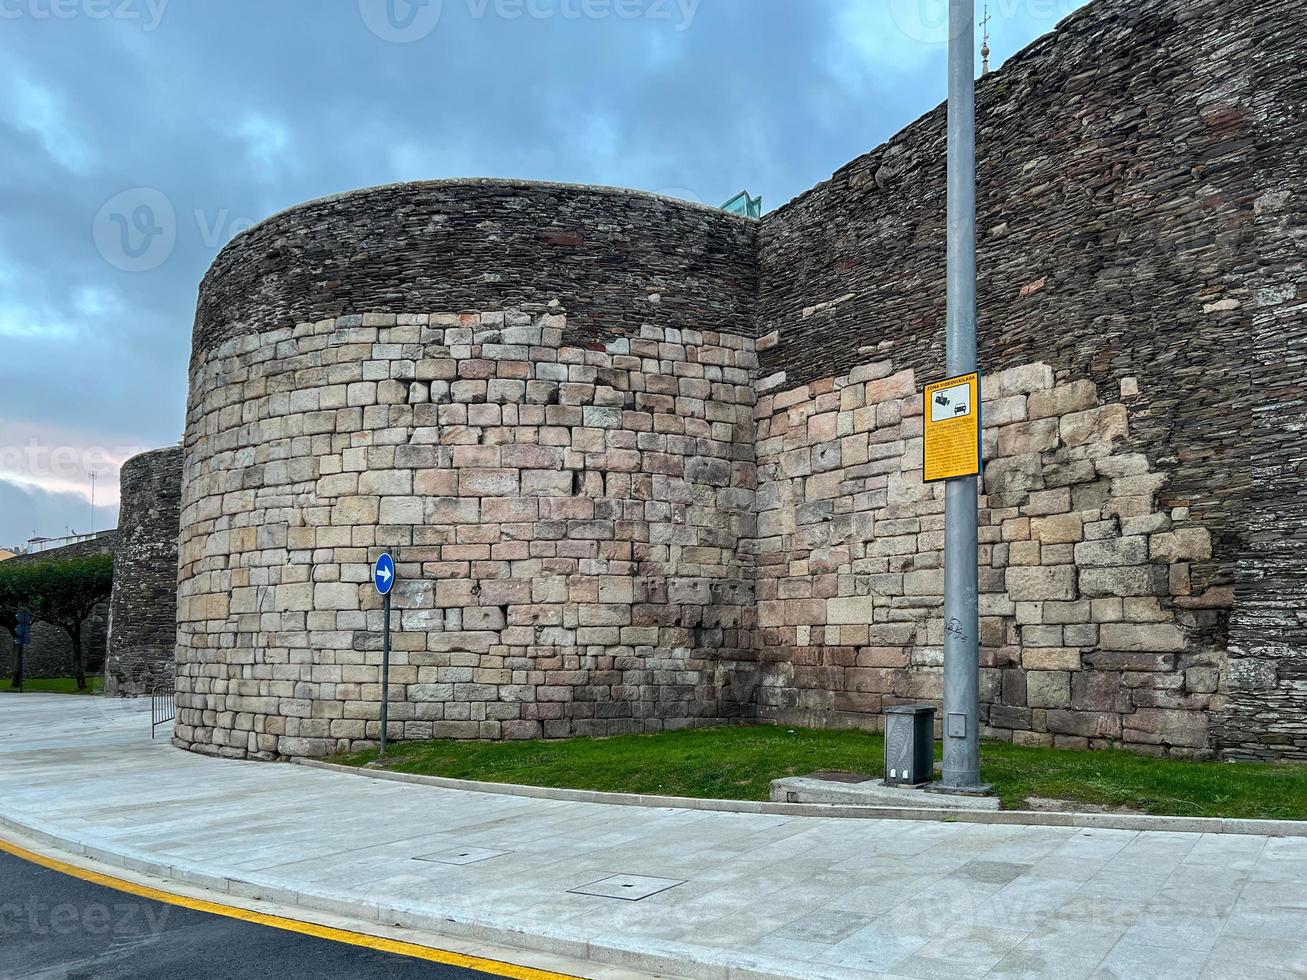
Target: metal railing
x=163, y=706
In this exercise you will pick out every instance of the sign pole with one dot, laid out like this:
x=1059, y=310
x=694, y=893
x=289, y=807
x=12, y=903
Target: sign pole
x=23, y=636
x=385, y=669
x=383, y=578
x=961, y=769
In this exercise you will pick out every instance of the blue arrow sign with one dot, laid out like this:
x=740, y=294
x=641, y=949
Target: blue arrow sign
x=383, y=574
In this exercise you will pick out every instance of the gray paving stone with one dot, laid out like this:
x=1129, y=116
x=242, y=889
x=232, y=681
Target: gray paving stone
x=1129, y=961
x=822, y=926
x=1174, y=929
x=994, y=872
x=782, y=896
x=969, y=952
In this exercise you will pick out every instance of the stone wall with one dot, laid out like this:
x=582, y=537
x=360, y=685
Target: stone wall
x=563, y=474
x=1266, y=713
x=564, y=522
x=613, y=259
x=50, y=654
x=143, y=608
x=556, y=405
x=1140, y=208
x=1090, y=633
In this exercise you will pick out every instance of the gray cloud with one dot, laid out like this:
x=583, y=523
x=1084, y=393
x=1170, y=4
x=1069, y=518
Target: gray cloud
x=227, y=112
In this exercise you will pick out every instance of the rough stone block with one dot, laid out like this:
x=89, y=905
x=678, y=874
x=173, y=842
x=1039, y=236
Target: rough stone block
x=1159, y=726
x=1123, y=581
x=1094, y=425
x=1022, y=379
x=1048, y=689
x=1160, y=638
x=849, y=610
x=1063, y=399
x=1111, y=552
x=1057, y=529
x=1184, y=544
x=1041, y=582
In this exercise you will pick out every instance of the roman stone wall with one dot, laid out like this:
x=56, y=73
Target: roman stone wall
x=556, y=405
x=564, y=522
x=560, y=459
x=1089, y=631
x=1140, y=214
x=1266, y=713
x=143, y=607
x=613, y=259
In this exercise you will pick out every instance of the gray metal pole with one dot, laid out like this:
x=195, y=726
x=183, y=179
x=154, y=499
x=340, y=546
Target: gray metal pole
x=961, y=640
x=385, y=670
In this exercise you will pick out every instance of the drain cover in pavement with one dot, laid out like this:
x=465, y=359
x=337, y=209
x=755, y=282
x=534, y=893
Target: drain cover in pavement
x=630, y=888
x=461, y=855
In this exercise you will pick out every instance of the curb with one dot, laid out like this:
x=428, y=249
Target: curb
x=690, y=964
x=1038, y=818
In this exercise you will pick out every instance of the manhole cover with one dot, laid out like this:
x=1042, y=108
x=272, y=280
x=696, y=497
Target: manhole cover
x=630, y=888
x=461, y=855
x=832, y=776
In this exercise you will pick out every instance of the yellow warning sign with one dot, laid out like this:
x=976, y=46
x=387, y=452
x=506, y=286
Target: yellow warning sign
x=952, y=428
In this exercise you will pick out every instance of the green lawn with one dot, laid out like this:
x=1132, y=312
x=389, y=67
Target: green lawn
x=739, y=762
x=56, y=685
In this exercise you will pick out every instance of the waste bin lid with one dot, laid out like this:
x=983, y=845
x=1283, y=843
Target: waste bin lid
x=910, y=709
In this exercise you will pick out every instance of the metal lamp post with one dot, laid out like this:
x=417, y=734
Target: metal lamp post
x=961, y=769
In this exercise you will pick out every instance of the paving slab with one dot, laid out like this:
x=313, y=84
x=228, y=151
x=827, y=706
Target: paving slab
x=738, y=896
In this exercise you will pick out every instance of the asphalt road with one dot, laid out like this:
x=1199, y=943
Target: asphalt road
x=56, y=927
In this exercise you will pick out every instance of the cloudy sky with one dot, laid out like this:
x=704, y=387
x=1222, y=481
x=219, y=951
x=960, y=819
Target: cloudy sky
x=138, y=136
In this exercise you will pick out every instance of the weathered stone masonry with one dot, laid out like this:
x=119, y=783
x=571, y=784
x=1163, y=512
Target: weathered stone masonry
x=565, y=505
x=1089, y=629
x=644, y=464
x=143, y=608
x=1141, y=216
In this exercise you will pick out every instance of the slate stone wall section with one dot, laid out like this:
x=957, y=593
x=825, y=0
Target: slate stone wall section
x=50, y=654
x=615, y=259
x=143, y=608
x=1266, y=716
x=1140, y=216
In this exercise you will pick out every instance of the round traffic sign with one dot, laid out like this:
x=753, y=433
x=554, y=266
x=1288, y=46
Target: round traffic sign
x=383, y=574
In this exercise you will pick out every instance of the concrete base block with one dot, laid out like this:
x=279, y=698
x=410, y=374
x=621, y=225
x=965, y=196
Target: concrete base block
x=873, y=792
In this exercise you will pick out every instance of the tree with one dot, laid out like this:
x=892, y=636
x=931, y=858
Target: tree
x=65, y=592
x=12, y=598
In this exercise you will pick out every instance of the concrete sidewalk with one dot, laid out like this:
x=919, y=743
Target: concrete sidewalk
x=744, y=895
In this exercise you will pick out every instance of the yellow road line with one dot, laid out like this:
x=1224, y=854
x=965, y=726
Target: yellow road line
x=496, y=968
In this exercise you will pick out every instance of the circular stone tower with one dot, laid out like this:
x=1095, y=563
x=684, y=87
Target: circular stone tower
x=143, y=606
x=537, y=397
